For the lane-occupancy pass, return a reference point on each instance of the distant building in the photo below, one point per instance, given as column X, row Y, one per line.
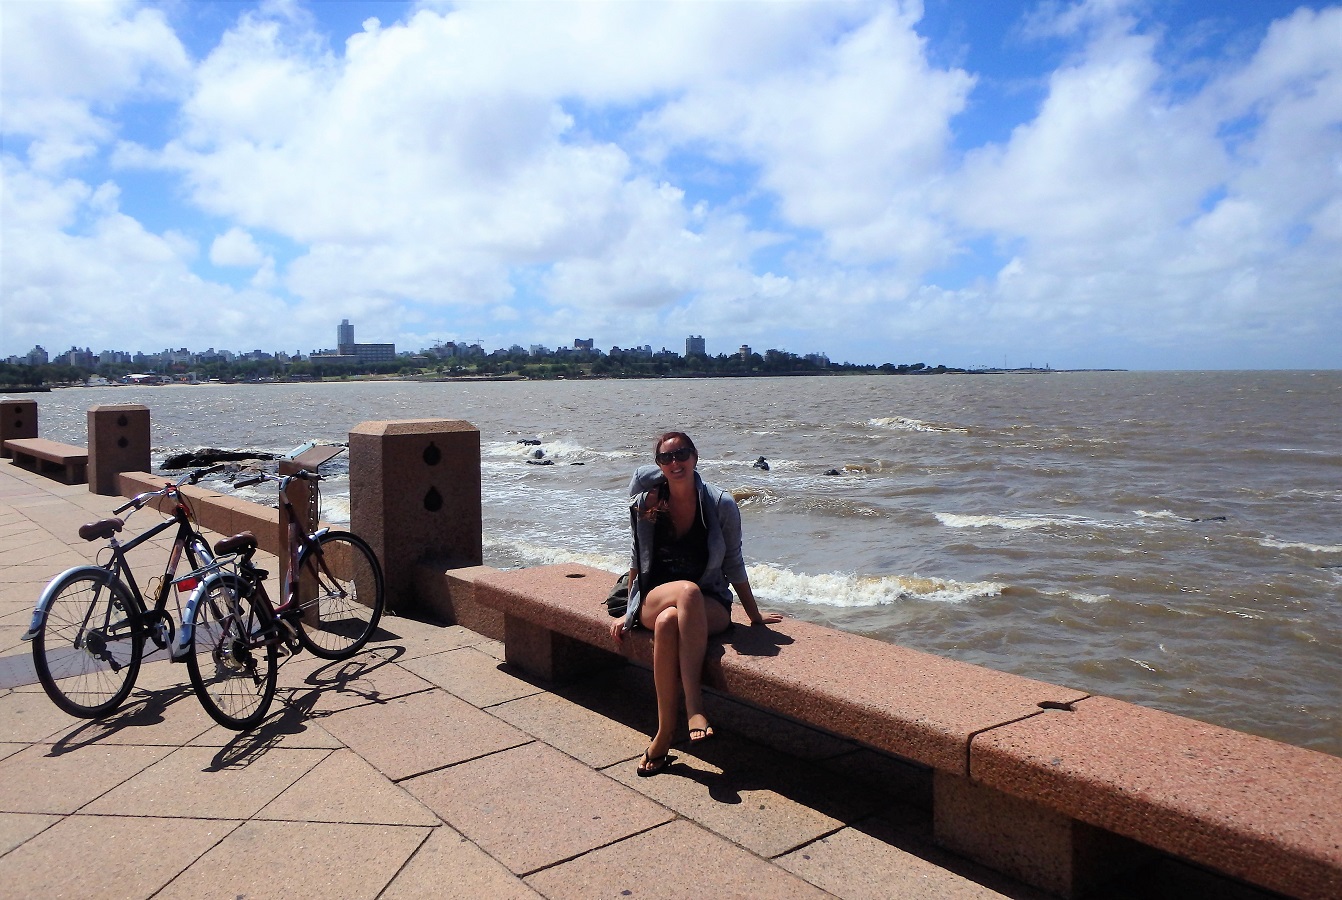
column 37, row 356
column 349, row 353
column 694, row 346
column 582, row 344
column 744, row 352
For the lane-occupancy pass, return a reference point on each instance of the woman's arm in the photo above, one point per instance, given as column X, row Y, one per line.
column 752, row 609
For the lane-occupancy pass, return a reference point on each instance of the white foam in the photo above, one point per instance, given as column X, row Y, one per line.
column 1273, row 544
column 1022, row 523
column 903, row 423
column 1159, row 514
column 770, row 582
column 537, row 555
column 777, row 584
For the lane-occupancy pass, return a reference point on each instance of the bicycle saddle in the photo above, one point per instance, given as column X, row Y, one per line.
column 103, row 528
column 238, row 542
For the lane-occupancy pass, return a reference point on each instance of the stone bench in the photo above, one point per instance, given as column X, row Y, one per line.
column 1051, row 785
column 64, row 462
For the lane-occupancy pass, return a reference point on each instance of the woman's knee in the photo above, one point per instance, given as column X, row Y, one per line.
column 667, row 621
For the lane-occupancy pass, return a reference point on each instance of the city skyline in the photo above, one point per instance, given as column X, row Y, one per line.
column 346, row 346
column 1101, row 183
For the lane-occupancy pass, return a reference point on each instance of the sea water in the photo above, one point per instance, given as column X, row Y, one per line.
column 1172, row 539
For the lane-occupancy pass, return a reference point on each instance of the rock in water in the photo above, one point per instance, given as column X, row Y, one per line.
column 208, row 456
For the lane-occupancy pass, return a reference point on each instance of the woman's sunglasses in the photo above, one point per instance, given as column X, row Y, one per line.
column 665, row 459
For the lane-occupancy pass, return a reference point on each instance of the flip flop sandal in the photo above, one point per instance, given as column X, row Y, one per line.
column 653, row 765
column 699, row 735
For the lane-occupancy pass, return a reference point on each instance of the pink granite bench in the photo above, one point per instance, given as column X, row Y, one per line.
column 1095, row 779
column 63, row 462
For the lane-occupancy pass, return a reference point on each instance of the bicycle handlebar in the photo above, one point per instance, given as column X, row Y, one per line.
column 259, row 477
column 192, row 477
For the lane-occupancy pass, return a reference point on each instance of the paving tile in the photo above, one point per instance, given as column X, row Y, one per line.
column 492, row 647
column 472, row 675
column 624, row 694
column 15, row 828
column 876, row 861
column 449, row 867
column 8, row 750
column 32, row 780
column 311, row 860
column 100, row 856
column 415, row 734
column 399, row 638
column 675, row 861
column 327, row 685
column 533, row 806
column 16, row 665
column 580, row 732
column 766, row 802
column 192, row 782
column 288, row 727
column 344, row 788
column 169, row 716
column 773, row 731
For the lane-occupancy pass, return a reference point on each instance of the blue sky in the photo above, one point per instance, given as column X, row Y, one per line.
column 1101, row 183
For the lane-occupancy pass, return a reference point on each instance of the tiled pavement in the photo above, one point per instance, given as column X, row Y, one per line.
column 424, row 767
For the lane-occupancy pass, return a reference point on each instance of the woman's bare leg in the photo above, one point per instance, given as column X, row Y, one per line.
column 681, row 622
column 666, row 679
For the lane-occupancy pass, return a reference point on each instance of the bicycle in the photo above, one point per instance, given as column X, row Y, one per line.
column 232, row 635
column 89, row 626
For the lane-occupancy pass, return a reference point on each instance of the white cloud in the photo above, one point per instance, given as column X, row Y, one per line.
column 107, row 52
column 236, row 247
column 627, row 171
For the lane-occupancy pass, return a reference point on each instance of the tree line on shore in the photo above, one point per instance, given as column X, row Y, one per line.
column 516, row 365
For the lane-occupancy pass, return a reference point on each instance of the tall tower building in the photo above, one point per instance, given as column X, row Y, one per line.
column 694, row 344
column 345, row 337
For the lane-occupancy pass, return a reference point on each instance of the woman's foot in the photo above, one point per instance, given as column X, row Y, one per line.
column 700, row 732
column 651, row 765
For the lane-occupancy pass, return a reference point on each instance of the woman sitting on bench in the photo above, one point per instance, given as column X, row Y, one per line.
column 687, row 549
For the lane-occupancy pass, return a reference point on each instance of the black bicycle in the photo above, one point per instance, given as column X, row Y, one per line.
column 90, row 624
column 333, row 599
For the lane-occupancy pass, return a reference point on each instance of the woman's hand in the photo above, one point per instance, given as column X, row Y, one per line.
column 617, row 631
column 767, row 619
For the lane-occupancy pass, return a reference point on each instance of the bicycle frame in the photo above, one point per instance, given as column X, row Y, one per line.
column 249, row 576
column 157, row 623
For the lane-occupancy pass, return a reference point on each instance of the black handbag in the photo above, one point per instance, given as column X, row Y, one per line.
column 617, row 601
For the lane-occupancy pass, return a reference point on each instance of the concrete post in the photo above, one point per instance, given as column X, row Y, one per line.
column 118, row 442
column 18, row 419
column 415, row 497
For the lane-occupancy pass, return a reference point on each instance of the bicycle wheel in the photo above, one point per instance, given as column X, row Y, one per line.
column 341, row 590
column 87, row 651
column 232, row 670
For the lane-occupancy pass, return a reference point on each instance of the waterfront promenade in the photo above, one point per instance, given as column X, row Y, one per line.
column 426, row 767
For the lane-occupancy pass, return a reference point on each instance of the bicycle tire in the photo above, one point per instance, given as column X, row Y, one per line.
column 88, row 649
column 341, row 583
column 233, row 677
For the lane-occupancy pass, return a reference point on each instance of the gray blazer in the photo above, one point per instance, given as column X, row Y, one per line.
column 722, row 519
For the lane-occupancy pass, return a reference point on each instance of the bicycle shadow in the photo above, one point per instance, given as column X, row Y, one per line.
column 299, row 707
column 145, row 708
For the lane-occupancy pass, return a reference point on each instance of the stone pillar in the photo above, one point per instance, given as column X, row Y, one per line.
column 118, row 442
column 415, row 497
column 18, row 419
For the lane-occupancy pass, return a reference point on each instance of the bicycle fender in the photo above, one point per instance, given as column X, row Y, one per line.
column 49, row 594
column 187, row 629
